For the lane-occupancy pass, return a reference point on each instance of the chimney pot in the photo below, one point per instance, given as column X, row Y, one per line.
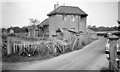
column 56, row 6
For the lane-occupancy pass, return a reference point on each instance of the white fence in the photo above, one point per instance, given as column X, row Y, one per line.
column 18, row 46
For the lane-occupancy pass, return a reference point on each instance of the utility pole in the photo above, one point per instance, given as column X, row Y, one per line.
column 118, row 25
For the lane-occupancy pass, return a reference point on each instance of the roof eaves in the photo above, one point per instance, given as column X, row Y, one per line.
column 68, row 14
column 43, row 22
column 56, row 11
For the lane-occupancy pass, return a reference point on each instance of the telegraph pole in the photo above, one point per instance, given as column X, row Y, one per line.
column 118, row 25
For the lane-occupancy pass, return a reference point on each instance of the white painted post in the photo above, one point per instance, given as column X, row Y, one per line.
column 117, row 46
column 13, row 47
column 17, row 47
column 55, row 49
column 24, row 45
column 74, row 44
column 8, row 47
column 20, row 47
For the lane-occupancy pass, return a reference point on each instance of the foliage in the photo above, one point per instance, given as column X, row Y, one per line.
column 24, row 29
column 102, row 28
column 16, row 29
column 34, row 21
column 3, row 29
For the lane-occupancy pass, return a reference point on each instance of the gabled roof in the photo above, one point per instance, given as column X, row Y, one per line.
column 45, row 22
column 67, row 10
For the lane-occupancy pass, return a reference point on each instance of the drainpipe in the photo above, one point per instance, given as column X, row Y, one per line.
column 78, row 23
column 78, row 28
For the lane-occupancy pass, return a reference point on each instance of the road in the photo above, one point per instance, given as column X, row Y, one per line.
column 91, row 57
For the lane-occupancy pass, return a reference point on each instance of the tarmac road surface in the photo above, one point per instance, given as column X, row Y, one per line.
column 91, row 57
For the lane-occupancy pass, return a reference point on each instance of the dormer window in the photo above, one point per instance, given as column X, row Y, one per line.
column 73, row 17
column 64, row 17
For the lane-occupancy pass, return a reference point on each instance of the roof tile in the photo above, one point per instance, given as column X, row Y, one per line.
column 67, row 10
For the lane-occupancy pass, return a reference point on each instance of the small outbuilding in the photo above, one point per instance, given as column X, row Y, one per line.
column 11, row 31
column 33, row 31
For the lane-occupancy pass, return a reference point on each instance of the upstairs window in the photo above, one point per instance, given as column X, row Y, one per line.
column 64, row 17
column 73, row 28
column 73, row 17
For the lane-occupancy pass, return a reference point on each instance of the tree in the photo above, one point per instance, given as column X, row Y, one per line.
column 94, row 26
column 89, row 26
column 16, row 29
column 24, row 29
column 34, row 21
column 3, row 29
column 102, row 28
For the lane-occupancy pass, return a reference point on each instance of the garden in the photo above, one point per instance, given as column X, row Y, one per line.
column 36, row 49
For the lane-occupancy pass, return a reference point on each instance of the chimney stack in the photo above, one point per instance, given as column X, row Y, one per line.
column 56, row 5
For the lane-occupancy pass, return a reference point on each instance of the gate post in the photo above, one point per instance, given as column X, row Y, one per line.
column 8, row 46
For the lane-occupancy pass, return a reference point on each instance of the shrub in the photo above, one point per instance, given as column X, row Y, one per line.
column 83, row 43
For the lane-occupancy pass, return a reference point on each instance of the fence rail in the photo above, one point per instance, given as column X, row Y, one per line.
column 18, row 47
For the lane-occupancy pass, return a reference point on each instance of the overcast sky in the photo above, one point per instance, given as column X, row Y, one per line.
column 18, row 12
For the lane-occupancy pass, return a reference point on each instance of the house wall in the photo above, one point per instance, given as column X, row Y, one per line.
column 57, row 21
column 84, row 37
column 44, row 32
column 82, row 24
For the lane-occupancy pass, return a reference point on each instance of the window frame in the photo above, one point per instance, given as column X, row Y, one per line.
column 73, row 17
column 64, row 17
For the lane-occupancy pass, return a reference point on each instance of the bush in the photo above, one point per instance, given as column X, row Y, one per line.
column 83, row 43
